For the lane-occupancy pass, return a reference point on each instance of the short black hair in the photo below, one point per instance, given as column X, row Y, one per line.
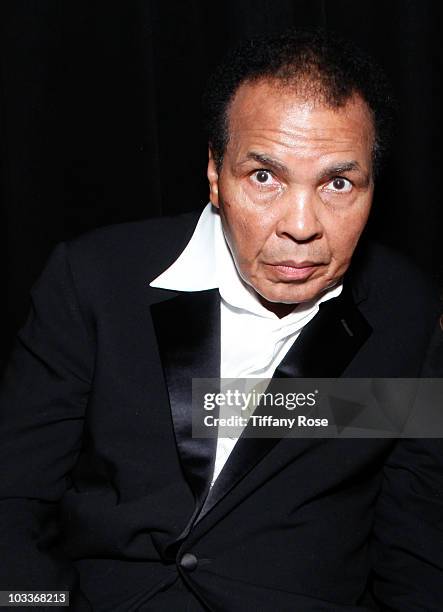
column 327, row 68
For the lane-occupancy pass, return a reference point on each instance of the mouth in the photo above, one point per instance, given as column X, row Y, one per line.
column 292, row 270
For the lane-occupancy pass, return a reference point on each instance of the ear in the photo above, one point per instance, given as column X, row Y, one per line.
column 213, row 179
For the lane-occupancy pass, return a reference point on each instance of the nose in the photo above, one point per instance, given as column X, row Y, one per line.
column 299, row 220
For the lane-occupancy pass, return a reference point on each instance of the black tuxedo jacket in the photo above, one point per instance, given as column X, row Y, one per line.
column 102, row 485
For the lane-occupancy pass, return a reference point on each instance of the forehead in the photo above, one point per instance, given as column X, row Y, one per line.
column 271, row 115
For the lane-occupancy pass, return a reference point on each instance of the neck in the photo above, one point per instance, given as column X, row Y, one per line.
column 279, row 309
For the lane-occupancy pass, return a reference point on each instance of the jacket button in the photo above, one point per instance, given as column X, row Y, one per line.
column 189, row 562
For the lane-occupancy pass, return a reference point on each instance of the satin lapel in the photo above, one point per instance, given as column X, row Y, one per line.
column 324, row 348
column 188, row 335
column 327, row 345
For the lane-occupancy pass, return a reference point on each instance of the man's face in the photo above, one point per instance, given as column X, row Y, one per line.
column 294, row 190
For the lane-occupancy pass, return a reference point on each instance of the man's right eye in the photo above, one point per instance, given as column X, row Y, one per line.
column 262, row 177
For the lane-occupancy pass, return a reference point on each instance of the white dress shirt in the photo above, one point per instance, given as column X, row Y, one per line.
column 253, row 339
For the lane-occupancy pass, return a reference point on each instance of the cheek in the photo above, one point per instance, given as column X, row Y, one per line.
column 246, row 236
column 344, row 234
column 246, row 227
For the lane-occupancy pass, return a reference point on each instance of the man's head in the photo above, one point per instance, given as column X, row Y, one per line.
column 296, row 125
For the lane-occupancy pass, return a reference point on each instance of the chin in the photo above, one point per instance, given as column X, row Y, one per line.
column 295, row 295
column 285, row 298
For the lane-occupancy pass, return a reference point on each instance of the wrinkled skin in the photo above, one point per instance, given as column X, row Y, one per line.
column 294, row 190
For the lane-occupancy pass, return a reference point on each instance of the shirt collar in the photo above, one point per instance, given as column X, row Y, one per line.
column 195, row 268
column 207, row 263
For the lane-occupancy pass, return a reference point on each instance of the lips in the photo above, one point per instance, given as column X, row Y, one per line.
column 293, row 264
column 295, row 270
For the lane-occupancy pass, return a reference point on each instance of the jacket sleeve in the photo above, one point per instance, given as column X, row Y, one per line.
column 43, row 396
column 408, row 529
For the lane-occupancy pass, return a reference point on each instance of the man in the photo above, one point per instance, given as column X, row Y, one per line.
column 106, row 492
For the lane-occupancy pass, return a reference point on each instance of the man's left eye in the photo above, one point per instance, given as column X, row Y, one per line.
column 339, row 185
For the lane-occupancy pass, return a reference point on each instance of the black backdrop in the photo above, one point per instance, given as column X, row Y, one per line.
column 100, row 104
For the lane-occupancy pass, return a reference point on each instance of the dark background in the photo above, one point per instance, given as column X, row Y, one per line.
column 100, row 117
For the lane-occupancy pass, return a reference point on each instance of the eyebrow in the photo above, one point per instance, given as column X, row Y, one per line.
column 341, row 168
column 265, row 161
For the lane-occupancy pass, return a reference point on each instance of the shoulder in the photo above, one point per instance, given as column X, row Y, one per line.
column 149, row 246
column 393, row 289
column 112, row 265
column 159, row 237
column 383, row 273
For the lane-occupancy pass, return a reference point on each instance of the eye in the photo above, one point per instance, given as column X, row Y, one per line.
column 262, row 177
column 339, row 185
